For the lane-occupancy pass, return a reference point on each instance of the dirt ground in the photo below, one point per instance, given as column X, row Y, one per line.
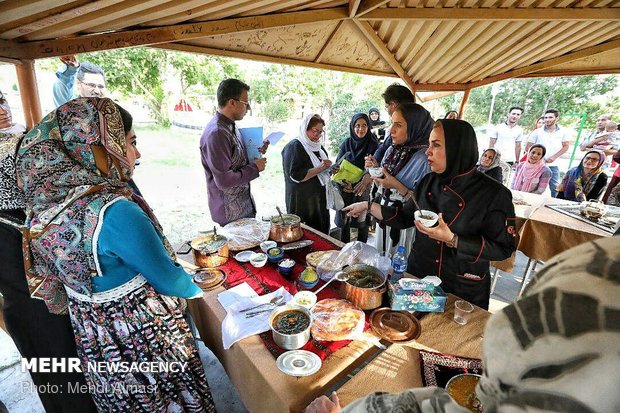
column 171, row 178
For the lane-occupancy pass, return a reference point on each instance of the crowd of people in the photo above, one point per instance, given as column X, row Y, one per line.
column 118, row 294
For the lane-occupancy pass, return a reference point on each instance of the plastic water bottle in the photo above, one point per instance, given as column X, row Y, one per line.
column 399, row 263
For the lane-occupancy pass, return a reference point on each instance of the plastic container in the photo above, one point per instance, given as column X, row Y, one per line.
column 399, row 263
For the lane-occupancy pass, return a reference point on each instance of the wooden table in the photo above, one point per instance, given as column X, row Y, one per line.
column 544, row 232
column 252, row 368
column 399, row 367
column 263, row 388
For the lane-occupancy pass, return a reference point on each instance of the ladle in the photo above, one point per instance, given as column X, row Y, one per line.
column 340, row 276
column 281, row 217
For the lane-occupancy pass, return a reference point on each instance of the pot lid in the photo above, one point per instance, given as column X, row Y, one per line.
column 298, row 363
column 209, row 244
column 395, row 326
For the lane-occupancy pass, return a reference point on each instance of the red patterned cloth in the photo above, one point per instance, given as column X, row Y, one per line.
column 267, row 279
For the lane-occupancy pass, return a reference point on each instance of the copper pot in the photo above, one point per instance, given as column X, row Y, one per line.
column 364, row 298
column 210, row 250
column 287, row 231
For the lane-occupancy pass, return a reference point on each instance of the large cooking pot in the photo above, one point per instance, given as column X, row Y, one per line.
column 366, row 298
column 295, row 339
column 210, row 250
column 286, row 228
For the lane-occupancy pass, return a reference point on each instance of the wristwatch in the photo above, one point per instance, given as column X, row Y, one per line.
column 453, row 243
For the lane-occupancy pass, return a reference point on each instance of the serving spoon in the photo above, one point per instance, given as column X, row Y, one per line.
column 275, row 301
column 340, row 276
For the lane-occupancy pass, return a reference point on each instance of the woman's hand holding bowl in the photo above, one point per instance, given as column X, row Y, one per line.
column 388, row 181
column 441, row 232
column 356, row 209
column 370, row 162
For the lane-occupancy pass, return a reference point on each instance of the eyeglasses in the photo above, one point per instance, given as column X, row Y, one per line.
column 247, row 104
column 317, row 131
column 360, row 127
column 93, row 85
column 591, row 159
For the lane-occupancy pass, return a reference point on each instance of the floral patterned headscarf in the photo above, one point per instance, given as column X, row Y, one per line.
column 71, row 166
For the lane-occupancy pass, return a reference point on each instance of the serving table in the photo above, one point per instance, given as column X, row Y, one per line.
column 264, row 388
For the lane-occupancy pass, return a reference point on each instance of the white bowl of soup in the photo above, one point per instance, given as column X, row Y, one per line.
column 426, row 218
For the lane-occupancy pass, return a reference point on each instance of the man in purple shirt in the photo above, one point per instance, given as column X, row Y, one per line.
column 224, row 157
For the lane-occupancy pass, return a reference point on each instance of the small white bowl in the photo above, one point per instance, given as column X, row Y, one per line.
column 305, row 299
column 259, row 260
column 376, row 171
column 430, row 218
column 267, row 245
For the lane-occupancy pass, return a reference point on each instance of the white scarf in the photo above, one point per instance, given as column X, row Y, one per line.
column 311, row 147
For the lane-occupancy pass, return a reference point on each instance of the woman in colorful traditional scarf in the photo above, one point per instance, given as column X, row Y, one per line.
column 36, row 332
column 404, row 165
column 489, row 164
column 360, row 143
column 476, row 217
column 307, row 171
column 97, row 251
column 533, row 175
column 586, row 181
column 541, row 353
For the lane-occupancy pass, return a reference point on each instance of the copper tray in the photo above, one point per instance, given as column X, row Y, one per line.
column 395, row 326
column 209, row 278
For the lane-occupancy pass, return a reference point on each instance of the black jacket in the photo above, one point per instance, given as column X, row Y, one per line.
column 476, row 208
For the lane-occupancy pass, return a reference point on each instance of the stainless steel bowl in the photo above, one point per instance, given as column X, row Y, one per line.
column 290, row 341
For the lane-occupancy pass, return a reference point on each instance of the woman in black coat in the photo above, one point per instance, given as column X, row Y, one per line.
column 476, row 216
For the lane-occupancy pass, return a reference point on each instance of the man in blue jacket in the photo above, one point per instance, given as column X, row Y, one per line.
column 90, row 81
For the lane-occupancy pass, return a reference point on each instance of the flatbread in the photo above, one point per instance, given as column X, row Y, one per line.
column 335, row 320
column 314, row 258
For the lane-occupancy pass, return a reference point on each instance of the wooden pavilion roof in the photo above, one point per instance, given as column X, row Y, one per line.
column 433, row 45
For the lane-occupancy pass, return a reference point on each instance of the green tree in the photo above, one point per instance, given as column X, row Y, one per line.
column 570, row 95
column 143, row 72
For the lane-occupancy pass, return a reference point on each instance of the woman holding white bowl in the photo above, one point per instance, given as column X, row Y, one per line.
column 476, row 216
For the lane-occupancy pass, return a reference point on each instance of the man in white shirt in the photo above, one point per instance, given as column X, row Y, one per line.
column 555, row 139
column 506, row 136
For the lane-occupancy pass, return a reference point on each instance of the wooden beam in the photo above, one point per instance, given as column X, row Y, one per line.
column 504, row 14
column 10, row 49
column 611, row 45
column 370, row 5
column 27, row 79
column 434, row 96
column 145, row 37
column 319, row 55
column 374, row 39
column 353, row 6
column 577, row 72
column 17, row 26
column 270, row 59
column 463, row 103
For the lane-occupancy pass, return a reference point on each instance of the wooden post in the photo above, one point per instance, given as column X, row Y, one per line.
column 463, row 102
column 27, row 79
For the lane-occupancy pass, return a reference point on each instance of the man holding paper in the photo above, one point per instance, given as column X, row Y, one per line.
column 224, row 158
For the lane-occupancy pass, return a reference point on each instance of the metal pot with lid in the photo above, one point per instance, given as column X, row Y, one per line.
column 285, row 227
column 210, row 250
column 364, row 287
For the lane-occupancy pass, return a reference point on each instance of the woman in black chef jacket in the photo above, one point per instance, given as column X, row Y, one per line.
column 476, row 216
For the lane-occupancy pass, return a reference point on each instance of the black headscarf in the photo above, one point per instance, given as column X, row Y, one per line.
column 378, row 122
column 419, row 127
column 461, row 148
column 358, row 148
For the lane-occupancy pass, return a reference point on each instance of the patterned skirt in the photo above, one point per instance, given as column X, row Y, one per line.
column 139, row 327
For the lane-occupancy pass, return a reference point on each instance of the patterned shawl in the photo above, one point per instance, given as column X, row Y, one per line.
column 494, row 164
column 10, row 195
column 72, row 166
column 578, row 183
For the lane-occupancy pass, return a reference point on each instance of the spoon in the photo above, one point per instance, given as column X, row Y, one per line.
column 274, row 301
column 280, row 212
column 340, row 276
